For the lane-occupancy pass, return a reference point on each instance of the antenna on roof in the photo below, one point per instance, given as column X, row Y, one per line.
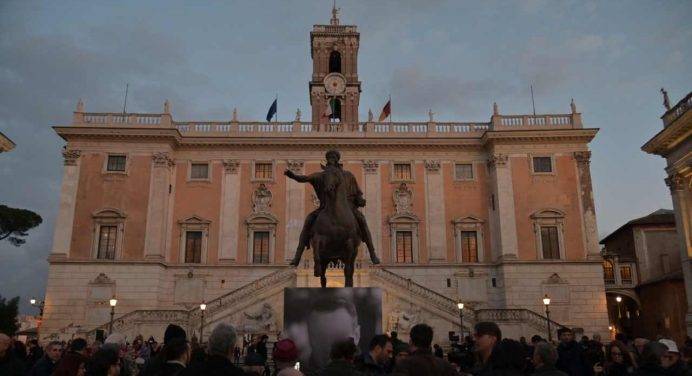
column 127, row 86
column 532, row 102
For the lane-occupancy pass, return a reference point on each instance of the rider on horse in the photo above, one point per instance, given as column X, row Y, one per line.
column 355, row 198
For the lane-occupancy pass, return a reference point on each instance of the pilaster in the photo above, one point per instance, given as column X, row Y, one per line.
column 435, row 212
column 505, row 232
column 680, row 185
column 158, row 207
column 583, row 159
column 228, row 221
column 62, row 236
column 373, row 206
column 295, row 209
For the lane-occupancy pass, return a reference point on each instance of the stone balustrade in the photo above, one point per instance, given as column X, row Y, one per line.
column 677, row 111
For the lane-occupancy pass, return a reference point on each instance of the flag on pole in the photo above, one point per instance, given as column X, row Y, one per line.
column 272, row 110
column 328, row 111
column 386, row 111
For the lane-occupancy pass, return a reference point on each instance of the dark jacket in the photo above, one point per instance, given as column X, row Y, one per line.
column 216, row 365
column 339, row 367
column 44, row 367
column 570, row 359
column 423, row 363
column 11, row 366
column 617, row 369
column 368, row 366
column 171, row 369
column 679, row 369
column 548, row 371
column 650, row 370
column 69, row 364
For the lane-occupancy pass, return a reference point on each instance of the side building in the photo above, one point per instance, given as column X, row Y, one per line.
column 165, row 214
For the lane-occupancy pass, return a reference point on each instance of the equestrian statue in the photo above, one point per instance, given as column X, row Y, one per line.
column 336, row 228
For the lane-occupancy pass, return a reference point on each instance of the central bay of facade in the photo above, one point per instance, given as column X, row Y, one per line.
column 165, row 214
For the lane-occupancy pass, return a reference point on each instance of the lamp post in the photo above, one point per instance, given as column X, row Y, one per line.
column 34, row 302
column 460, row 305
column 202, row 308
column 113, row 302
column 618, row 299
column 546, row 303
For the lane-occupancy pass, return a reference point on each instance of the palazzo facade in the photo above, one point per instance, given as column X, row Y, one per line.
column 164, row 214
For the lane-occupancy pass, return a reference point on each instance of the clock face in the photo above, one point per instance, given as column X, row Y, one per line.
column 334, row 84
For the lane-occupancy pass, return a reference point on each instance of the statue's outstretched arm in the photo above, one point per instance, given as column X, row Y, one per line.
column 298, row 178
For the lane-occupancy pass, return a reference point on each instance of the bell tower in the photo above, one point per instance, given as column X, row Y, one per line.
column 334, row 87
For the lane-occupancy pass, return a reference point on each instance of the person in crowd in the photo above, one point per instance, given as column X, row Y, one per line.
column 19, row 349
column 35, row 353
column 638, row 348
column 687, row 355
column 487, row 335
column 374, row 362
column 437, row 351
column 570, row 354
column 650, row 361
column 421, row 361
column 156, row 361
column 285, row 355
column 73, row 359
column 341, row 357
column 619, row 361
column 10, row 365
column 254, row 364
column 46, row 365
column 544, row 360
column 220, row 349
column 401, row 352
column 672, row 361
column 395, row 339
column 262, row 346
column 105, row 362
column 118, row 342
column 176, row 357
column 236, row 355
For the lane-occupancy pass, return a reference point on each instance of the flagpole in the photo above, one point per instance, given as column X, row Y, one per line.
column 390, row 109
column 276, row 114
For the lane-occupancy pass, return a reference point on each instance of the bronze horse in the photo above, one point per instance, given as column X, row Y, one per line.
column 335, row 234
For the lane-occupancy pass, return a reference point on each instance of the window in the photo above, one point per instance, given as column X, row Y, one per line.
column 199, row 171
column 335, row 62
column 469, row 246
column 116, row 163
column 463, row 171
column 402, row 171
column 608, row 272
column 626, row 275
column 260, row 247
column 404, row 247
column 336, row 109
column 542, row 164
column 550, row 242
column 107, row 241
column 263, row 171
column 193, row 246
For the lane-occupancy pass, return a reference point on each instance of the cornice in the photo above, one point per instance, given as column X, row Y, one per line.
column 668, row 138
column 539, row 136
column 118, row 133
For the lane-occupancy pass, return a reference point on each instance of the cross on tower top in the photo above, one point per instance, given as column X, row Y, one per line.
column 335, row 14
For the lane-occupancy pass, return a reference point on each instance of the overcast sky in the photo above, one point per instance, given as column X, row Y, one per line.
column 455, row 57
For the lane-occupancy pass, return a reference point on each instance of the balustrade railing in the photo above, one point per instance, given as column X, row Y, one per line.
column 535, row 120
column 677, row 111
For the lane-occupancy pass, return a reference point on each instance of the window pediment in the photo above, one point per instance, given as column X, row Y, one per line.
column 548, row 214
column 261, row 218
column 467, row 220
column 107, row 213
column 194, row 220
column 404, row 218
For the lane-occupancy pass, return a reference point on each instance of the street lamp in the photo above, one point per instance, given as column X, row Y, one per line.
column 113, row 302
column 618, row 299
column 202, row 308
column 38, row 304
column 460, row 305
column 546, row 303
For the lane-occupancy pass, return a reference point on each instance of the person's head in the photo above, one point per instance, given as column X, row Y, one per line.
column 333, row 157
column 343, row 350
column 584, row 339
column 639, row 344
column 421, row 336
column 285, row 353
column 172, row 331
column 78, row 345
column 544, row 354
column 381, row 348
column 596, row 337
column 536, row 339
column 401, row 352
column 565, row 334
column 5, row 342
column 333, row 318
column 394, row 335
column 118, row 341
column 617, row 353
column 652, row 353
column 106, row 361
column 177, row 349
column 522, row 340
column 222, row 340
column 487, row 334
column 672, row 355
column 54, row 350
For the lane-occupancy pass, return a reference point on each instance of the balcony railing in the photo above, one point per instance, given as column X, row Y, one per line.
column 677, row 111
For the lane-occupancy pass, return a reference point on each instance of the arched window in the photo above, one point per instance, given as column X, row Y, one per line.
column 336, row 109
column 335, row 62
column 108, row 233
column 608, row 272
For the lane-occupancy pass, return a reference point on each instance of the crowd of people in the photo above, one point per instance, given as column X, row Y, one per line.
column 483, row 354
